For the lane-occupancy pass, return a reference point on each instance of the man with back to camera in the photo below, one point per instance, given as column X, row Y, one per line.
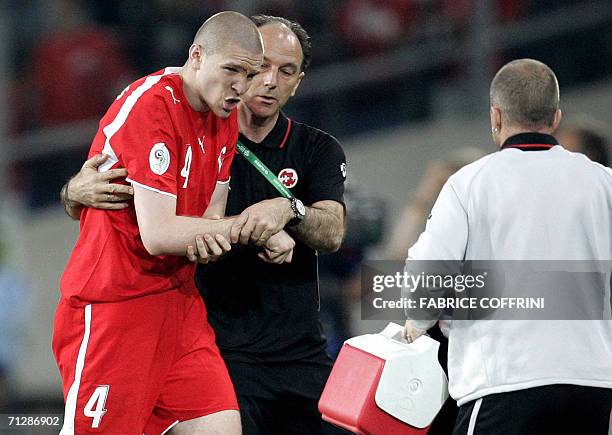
column 131, row 339
column 527, row 201
column 266, row 317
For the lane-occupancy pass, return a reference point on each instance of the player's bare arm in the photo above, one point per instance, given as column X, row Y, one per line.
column 209, row 247
column 164, row 233
column 91, row 188
column 218, row 201
column 322, row 227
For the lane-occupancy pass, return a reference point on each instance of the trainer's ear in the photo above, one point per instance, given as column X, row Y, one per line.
column 496, row 118
column 297, row 84
column 557, row 119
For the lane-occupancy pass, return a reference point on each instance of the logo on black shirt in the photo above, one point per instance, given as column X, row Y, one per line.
column 289, row 177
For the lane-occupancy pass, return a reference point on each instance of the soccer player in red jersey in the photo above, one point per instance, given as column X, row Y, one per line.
column 131, row 339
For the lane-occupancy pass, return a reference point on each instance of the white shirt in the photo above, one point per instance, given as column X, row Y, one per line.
column 524, row 205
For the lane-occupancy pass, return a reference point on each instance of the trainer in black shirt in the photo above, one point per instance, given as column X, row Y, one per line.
column 266, row 316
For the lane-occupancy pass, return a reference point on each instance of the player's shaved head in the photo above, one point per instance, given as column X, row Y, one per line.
column 228, row 29
column 527, row 92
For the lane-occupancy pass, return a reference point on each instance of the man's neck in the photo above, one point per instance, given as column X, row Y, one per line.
column 253, row 127
column 513, row 131
column 188, row 77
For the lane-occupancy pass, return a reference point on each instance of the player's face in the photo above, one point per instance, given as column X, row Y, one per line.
column 225, row 76
column 280, row 73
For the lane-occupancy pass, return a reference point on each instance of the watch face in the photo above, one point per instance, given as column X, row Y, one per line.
column 299, row 205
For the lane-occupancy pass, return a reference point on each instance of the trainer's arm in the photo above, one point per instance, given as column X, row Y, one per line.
column 91, row 188
column 441, row 247
column 323, row 226
column 164, row 233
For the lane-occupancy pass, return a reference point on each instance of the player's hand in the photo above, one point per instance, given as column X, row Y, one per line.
column 260, row 221
column 209, row 248
column 278, row 249
column 94, row 189
column 411, row 332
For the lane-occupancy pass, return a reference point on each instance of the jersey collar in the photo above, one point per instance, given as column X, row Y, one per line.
column 278, row 136
column 530, row 142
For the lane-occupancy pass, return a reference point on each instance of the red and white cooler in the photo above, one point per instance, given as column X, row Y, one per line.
column 382, row 385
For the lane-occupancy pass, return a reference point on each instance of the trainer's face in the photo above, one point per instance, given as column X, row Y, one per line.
column 223, row 77
column 280, row 73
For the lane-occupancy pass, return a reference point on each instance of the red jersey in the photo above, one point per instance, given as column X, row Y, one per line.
column 166, row 146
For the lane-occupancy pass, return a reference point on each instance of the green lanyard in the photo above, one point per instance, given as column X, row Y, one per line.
column 263, row 170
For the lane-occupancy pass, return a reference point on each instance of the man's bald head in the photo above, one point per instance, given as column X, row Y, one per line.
column 527, row 93
column 228, row 29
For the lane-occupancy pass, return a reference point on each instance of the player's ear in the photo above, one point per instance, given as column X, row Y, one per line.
column 195, row 55
column 297, row 84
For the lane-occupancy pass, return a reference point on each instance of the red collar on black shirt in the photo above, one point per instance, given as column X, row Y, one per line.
column 278, row 136
column 530, row 142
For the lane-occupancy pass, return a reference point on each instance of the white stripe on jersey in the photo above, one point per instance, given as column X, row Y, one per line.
column 144, row 186
column 128, row 104
column 72, row 396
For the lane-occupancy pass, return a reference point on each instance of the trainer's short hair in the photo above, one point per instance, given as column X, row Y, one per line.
column 527, row 92
column 302, row 36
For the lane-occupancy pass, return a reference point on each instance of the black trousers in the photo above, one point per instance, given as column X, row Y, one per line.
column 288, row 416
column 551, row 409
column 281, row 398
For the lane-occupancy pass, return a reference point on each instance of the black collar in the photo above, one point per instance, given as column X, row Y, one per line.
column 277, row 138
column 530, row 142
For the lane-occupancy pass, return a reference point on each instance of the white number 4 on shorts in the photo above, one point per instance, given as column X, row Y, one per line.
column 95, row 406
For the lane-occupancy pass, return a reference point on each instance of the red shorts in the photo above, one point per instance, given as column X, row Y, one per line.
column 140, row 365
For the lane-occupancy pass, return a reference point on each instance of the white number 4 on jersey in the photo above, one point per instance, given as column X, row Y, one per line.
column 95, row 406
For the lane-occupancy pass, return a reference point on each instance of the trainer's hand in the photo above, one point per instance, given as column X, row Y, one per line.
column 94, row 189
column 260, row 221
column 411, row 332
column 209, row 248
column 278, row 249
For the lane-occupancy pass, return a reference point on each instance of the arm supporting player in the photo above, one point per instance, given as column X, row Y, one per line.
column 322, row 227
column 164, row 233
column 91, row 188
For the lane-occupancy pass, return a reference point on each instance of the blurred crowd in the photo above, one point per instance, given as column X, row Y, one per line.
column 69, row 58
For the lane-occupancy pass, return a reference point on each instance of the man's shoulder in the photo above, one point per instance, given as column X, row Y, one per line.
column 313, row 134
column 156, row 89
column 468, row 172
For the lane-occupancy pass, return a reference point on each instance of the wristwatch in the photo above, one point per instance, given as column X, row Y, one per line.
column 299, row 211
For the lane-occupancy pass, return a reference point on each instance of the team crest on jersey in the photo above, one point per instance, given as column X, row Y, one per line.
column 288, row 177
column 159, row 158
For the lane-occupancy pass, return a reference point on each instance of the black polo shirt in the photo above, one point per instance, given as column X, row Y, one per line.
column 265, row 312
